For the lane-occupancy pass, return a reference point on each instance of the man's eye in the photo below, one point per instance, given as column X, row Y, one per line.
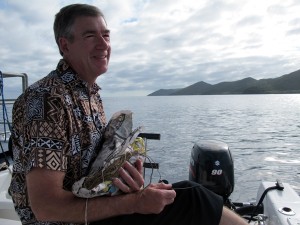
column 89, row 35
column 106, row 37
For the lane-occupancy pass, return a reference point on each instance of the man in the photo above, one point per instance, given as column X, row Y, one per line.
column 58, row 126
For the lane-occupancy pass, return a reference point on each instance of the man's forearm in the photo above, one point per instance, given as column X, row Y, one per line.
column 50, row 202
column 106, row 207
column 73, row 209
column 231, row 218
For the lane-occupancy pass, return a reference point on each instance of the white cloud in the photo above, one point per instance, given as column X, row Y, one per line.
column 167, row 44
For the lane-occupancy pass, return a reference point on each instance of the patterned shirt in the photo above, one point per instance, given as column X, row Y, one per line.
column 58, row 124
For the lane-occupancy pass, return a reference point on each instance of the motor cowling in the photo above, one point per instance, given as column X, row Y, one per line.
column 211, row 165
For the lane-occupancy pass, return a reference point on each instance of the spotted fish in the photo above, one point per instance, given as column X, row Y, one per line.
column 121, row 144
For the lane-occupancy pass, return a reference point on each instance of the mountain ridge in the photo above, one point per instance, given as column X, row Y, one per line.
column 285, row 84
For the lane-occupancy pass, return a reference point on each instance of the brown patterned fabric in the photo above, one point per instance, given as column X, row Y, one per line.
column 58, row 124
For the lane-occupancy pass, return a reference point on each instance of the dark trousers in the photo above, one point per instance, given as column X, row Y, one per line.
column 193, row 205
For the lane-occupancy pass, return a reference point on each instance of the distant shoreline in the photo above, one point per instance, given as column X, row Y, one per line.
column 285, row 84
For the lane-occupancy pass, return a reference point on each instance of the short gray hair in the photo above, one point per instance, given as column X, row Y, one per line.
column 65, row 18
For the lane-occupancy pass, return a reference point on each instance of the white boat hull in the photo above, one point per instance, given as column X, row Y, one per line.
column 281, row 207
column 8, row 216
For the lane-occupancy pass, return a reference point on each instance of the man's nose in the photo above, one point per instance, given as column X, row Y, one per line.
column 102, row 43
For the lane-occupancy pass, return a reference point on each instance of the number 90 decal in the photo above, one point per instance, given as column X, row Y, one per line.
column 216, row 172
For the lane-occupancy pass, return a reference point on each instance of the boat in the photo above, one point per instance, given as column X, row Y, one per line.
column 211, row 165
column 8, row 216
column 277, row 203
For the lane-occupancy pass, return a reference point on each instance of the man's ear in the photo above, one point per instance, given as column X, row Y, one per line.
column 63, row 45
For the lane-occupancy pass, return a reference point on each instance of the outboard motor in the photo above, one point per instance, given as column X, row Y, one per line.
column 212, row 166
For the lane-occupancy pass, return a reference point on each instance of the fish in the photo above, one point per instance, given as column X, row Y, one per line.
column 121, row 144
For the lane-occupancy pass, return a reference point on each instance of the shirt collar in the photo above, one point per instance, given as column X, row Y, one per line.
column 70, row 77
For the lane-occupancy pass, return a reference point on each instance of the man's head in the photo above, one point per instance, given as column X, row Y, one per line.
column 83, row 39
column 65, row 19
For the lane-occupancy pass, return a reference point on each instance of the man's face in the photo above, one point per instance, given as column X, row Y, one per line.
column 89, row 52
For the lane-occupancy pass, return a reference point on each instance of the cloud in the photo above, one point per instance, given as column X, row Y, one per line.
column 163, row 45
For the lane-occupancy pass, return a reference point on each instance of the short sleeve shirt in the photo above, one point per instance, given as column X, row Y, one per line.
column 58, row 124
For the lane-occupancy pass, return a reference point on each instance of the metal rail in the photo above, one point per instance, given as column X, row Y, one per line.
column 4, row 122
column 22, row 75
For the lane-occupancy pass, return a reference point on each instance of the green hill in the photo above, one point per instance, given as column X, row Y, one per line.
column 289, row 83
column 163, row 92
column 195, row 89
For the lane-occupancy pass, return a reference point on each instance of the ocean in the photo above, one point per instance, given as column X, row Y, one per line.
column 262, row 132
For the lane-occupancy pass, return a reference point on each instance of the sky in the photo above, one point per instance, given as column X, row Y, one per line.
column 162, row 44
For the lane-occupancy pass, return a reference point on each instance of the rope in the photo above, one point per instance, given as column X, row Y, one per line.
column 86, row 212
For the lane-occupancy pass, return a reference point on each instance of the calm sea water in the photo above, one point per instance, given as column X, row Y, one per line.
column 262, row 132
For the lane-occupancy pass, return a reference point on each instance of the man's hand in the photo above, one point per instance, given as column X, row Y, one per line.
column 131, row 177
column 154, row 198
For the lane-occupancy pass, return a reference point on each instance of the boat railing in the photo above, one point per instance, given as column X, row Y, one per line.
column 24, row 78
column 22, row 75
column 6, row 105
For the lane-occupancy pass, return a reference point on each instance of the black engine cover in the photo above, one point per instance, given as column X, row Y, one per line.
column 211, row 165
